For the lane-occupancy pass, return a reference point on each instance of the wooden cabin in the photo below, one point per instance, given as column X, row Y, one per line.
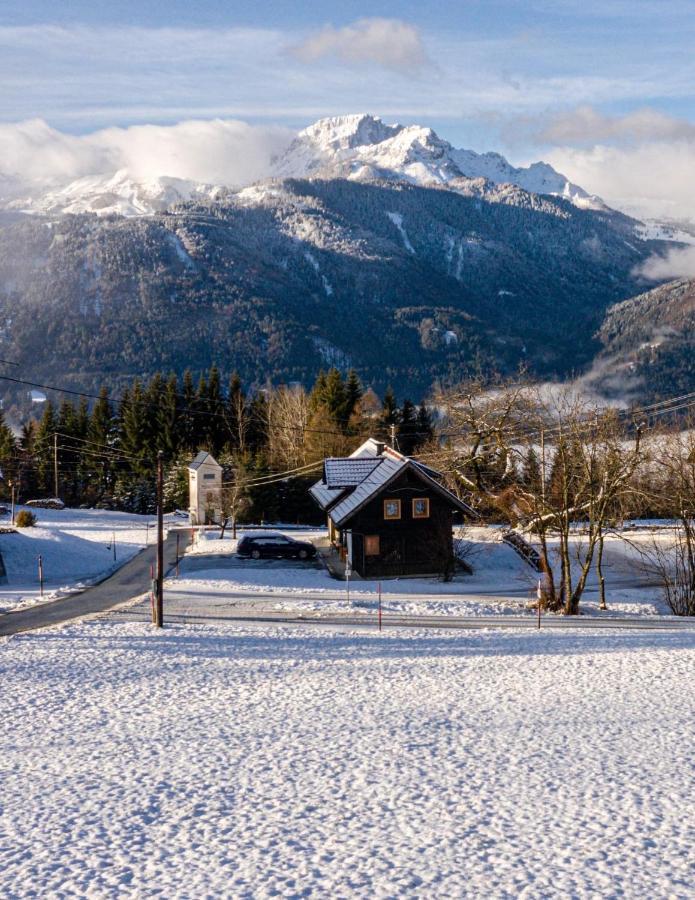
column 389, row 514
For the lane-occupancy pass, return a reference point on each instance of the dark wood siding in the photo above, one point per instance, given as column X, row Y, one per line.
column 408, row 546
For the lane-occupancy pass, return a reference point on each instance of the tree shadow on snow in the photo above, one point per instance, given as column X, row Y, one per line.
column 196, row 642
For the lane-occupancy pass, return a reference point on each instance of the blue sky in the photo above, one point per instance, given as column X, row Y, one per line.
column 528, row 77
column 82, row 65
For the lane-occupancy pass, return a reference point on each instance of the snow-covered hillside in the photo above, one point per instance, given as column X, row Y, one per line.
column 364, row 147
column 360, row 147
column 120, row 194
column 76, row 546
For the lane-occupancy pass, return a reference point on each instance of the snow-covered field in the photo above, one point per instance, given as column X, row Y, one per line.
column 77, row 549
column 224, row 762
column 501, row 584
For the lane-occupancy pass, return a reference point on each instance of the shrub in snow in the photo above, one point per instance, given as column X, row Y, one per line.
column 25, row 519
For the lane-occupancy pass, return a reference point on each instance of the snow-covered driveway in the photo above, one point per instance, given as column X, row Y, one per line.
column 223, row 762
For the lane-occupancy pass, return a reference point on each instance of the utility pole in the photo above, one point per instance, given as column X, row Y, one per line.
column 12, row 488
column 159, row 606
column 393, row 436
column 55, row 465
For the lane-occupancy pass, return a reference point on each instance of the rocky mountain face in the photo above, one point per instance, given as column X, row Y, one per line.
column 407, row 283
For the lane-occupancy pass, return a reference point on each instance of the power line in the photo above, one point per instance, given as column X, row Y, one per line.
column 280, row 476
column 104, row 456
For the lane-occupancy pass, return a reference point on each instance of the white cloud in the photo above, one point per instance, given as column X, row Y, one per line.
column 678, row 263
column 219, row 151
column 586, row 125
column 388, row 42
column 653, row 179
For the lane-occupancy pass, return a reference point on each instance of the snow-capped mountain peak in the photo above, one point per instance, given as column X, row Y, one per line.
column 345, row 132
column 363, row 146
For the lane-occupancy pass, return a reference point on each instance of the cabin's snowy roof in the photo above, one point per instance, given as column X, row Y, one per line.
column 342, row 473
column 378, row 478
column 350, row 482
column 370, row 448
column 325, row 496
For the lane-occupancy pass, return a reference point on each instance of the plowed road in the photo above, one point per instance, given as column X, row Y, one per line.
column 131, row 580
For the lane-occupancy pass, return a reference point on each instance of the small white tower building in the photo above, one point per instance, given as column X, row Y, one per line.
column 204, row 490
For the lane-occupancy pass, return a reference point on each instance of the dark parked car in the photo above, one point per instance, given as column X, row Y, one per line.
column 271, row 546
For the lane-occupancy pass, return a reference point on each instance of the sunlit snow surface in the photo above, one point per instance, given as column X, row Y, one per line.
column 76, row 546
column 222, row 762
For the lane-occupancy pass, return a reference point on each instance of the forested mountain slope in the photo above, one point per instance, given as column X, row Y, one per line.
column 408, row 284
column 649, row 344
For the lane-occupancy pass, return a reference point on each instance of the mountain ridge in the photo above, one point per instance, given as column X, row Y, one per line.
column 360, row 147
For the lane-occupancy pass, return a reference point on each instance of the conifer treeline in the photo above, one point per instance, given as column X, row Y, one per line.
column 107, row 449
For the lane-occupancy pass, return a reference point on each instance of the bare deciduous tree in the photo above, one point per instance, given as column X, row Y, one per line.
column 672, row 561
column 234, row 499
column 288, row 415
column 587, row 465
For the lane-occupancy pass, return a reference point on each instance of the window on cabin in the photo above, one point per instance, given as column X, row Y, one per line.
column 209, row 476
column 421, row 508
column 392, row 509
column 371, row 545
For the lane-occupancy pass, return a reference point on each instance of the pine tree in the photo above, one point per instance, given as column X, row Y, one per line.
column 389, row 413
column 215, row 412
column 8, row 451
column 154, row 399
column 69, row 453
column 48, row 426
column 25, row 474
column 531, row 472
column 187, row 419
column 67, row 420
column 407, row 428
column 26, row 441
column 134, row 431
column 353, row 395
column 176, row 483
column 101, row 434
column 335, row 396
column 317, row 395
column 201, row 422
column 425, row 428
column 101, row 425
column 167, row 419
column 81, row 425
column 235, row 416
